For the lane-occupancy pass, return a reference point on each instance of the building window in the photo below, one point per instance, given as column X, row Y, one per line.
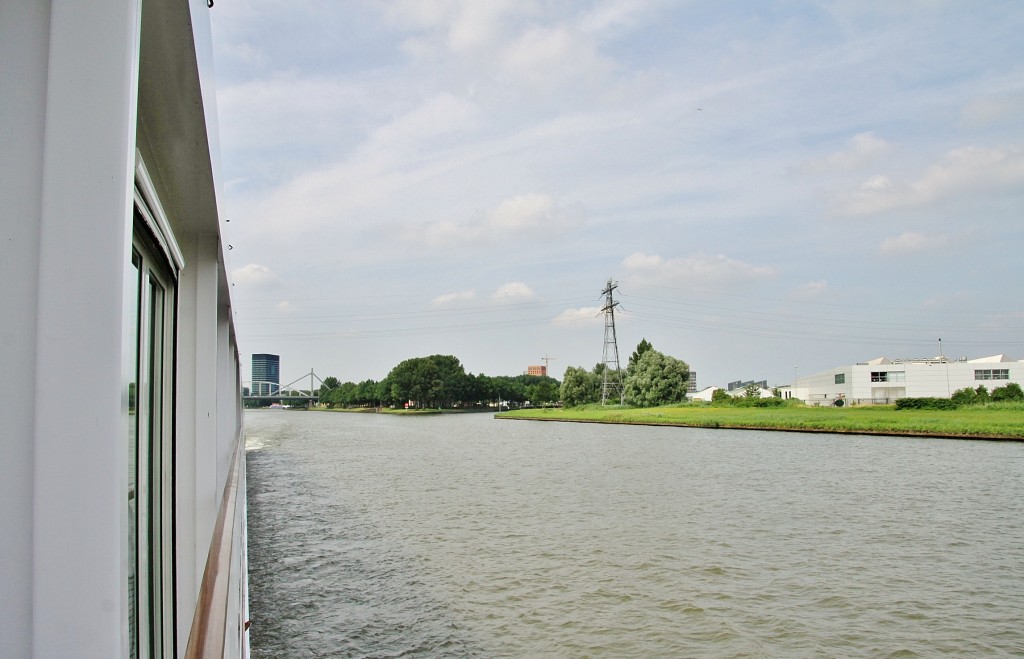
column 888, row 376
column 840, row 378
column 149, row 356
column 992, row 374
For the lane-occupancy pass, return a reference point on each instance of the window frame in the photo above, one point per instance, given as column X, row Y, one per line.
column 986, row 374
column 154, row 265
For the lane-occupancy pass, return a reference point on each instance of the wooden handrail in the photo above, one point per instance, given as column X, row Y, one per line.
column 207, row 636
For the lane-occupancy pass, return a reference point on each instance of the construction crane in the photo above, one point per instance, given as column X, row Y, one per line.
column 546, row 359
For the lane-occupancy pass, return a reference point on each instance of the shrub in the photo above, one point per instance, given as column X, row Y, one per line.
column 925, row 404
column 1011, row 391
column 965, row 396
column 720, row 397
column 758, row 402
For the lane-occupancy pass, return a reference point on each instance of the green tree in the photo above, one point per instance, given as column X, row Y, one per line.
column 543, row 392
column 479, row 388
column 382, row 392
column 434, row 381
column 656, row 379
column 641, row 348
column 580, row 386
column 752, row 391
column 330, row 382
column 982, row 396
column 347, row 393
column 365, row 394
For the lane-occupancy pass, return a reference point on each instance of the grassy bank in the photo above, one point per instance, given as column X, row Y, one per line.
column 995, row 422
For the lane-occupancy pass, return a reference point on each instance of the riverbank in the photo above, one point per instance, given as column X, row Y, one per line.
column 964, row 423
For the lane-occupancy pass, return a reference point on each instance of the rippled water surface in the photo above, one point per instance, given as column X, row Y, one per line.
column 385, row 536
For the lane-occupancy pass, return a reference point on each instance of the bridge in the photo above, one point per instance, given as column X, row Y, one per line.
column 262, row 390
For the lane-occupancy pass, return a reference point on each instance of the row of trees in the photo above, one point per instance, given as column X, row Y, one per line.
column 439, row 381
column 651, row 378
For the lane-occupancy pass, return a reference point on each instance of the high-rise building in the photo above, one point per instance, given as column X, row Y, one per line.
column 266, row 375
column 537, row 370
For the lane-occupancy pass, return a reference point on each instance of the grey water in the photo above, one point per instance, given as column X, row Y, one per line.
column 467, row 536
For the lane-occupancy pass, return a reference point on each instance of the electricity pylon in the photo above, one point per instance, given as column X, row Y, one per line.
column 611, row 381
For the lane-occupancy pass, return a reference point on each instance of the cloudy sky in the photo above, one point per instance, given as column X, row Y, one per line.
column 776, row 187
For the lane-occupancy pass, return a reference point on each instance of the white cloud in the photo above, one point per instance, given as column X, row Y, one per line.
column 244, row 52
column 582, row 315
column 958, row 301
column 910, row 242
column 550, row 57
column 523, row 212
column 862, row 149
column 698, row 270
column 477, row 24
column 254, row 274
column 611, row 15
column 1009, row 320
column 265, row 113
column 515, row 218
column 811, row 290
column 439, row 115
column 994, row 109
column 448, row 298
column 965, row 171
column 397, row 157
column 284, row 307
column 514, row 291
column 461, row 26
column 877, row 183
column 419, row 14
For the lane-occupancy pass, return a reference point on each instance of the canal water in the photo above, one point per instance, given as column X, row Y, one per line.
column 447, row 536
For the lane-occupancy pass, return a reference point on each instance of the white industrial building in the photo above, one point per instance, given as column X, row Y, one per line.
column 884, row 380
column 707, row 394
column 704, row 394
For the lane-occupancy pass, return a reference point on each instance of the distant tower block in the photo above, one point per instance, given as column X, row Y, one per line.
column 266, row 374
column 611, row 381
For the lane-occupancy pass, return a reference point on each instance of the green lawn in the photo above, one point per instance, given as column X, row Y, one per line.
column 982, row 422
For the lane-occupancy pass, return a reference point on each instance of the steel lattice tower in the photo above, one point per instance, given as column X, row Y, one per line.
column 611, row 381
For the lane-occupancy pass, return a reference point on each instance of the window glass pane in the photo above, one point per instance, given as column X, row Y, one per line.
column 131, row 375
column 157, row 487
